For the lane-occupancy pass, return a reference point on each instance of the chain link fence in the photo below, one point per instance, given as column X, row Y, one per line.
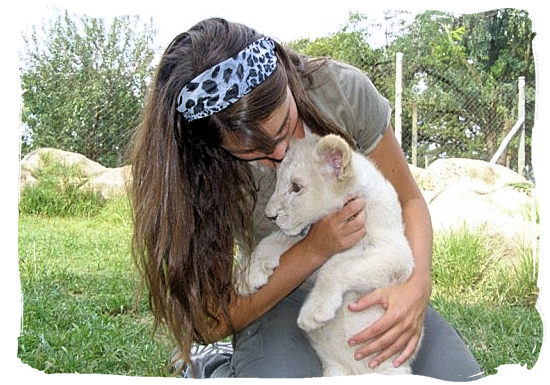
column 439, row 119
column 103, row 136
column 439, row 115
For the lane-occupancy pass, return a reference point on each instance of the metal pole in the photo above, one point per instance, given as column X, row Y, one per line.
column 520, row 123
column 521, row 116
column 414, row 144
column 398, row 94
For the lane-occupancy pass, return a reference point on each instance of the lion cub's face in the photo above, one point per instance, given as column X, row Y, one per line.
column 312, row 181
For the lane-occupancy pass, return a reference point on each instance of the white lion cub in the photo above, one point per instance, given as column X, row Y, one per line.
column 313, row 180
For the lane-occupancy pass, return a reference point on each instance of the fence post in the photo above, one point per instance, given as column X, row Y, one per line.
column 398, row 94
column 519, row 124
column 414, row 141
column 521, row 116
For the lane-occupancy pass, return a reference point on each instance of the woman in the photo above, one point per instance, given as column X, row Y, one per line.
column 221, row 111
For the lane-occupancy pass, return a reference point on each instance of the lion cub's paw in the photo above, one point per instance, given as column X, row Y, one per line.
column 313, row 317
column 243, row 288
column 257, row 275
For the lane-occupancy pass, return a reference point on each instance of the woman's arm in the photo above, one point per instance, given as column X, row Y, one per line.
column 331, row 235
column 401, row 326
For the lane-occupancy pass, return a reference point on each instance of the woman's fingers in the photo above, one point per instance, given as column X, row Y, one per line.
column 397, row 332
column 352, row 208
column 408, row 351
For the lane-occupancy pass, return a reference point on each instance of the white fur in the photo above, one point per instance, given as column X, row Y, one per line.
column 328, row 171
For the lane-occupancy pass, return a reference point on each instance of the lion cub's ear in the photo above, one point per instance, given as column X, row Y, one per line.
column 335, row 153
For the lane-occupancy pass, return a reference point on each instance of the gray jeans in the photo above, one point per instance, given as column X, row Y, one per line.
column 274, row 347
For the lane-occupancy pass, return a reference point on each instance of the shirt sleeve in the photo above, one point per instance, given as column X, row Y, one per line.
column 350, row 99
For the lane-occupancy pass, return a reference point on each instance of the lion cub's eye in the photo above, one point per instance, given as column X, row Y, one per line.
column 296, row 187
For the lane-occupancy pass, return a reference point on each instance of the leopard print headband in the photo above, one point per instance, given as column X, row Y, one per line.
column 223, row 84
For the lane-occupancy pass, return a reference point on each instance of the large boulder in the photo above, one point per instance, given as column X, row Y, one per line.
column 34, row 160
column 111, row 182
column 476, row 174
column 504, row 211
column 475, row 193
column 108, row 182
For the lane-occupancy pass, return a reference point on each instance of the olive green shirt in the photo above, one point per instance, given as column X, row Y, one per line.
column 347, row 96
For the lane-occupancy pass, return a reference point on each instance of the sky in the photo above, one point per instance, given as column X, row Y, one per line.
column 283, row 20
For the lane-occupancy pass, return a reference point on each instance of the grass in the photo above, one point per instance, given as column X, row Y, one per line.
column 80, row 313
column 488, row 296
column 496, row 334
column 58, row 192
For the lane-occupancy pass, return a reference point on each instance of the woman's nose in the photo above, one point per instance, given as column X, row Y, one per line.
column 279, row 152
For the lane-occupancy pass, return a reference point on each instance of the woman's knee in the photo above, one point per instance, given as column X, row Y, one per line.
column 274, row 347
column 443, row 354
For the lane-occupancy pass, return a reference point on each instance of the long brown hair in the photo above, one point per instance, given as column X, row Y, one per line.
column 191, row 200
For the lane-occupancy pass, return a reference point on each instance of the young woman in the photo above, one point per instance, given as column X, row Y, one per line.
column 221, row 111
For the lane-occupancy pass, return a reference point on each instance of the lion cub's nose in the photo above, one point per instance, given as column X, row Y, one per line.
column 272, row 210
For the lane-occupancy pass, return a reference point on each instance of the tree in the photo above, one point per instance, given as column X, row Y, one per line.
column 351, row 45
column 460, row 72
column 469, row 66
column 84, row 83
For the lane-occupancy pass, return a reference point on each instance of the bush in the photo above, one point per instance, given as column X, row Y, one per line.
column 518, row 283
column 59, row 192
column 461, row 260
column 478, row 267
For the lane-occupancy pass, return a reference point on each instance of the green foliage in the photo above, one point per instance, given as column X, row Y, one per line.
column 496, row 334
column 59, row 192
column 461, row 260
column 524, row 187
column 518, row 283
column 83, row 85
column 348, row 45
column 483, row 268
column 460, row 72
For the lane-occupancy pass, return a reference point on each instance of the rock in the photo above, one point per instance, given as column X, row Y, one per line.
column 504, row 211
column 417, row 172
column 33, row 161
column 111, row 182
column 107, row 181
column 474, row 174
column 477, row 194
column 26, row 178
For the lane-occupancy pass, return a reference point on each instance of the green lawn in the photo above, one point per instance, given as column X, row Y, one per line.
column 487, row 290
column 80, row 311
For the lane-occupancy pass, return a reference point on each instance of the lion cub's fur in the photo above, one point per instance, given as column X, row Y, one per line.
column 314, row 179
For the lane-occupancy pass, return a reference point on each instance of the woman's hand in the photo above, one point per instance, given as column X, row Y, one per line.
column 338, row 231
column 399, row 329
